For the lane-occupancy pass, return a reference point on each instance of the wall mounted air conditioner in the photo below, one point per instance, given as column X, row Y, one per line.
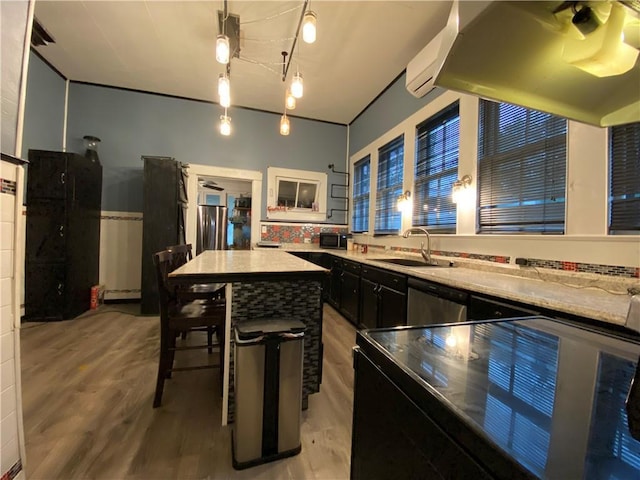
column 423, row 70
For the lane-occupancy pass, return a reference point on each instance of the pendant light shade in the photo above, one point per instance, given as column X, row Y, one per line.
column 290, row 101
column 225, row 125
column 296, row 85
column 224, row 87
column 222, row 49
column 309, row 27
column 285, row 126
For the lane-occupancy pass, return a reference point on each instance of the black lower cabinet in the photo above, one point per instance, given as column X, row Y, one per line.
column 394, row 439
column 335, row 283
column 383, row 298
column 350, row 291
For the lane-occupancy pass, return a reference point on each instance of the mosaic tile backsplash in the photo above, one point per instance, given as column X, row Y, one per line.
column 298, row 233
column 608, row 270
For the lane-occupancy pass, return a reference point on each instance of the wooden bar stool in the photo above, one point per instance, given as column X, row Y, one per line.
column 179, row 316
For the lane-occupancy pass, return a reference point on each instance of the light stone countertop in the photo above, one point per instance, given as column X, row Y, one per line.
column 588, row 302
column 229, row 265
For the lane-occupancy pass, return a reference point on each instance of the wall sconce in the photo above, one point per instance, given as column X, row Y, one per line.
column 460, row 189
column 404, row 202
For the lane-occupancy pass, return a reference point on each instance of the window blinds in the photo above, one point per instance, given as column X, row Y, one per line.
column 436, row 168
column 624, row 179
column 390, row 165
column 521, row 170
column 361, row 174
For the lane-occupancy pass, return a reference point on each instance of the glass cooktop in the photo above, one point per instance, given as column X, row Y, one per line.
column 549, row 394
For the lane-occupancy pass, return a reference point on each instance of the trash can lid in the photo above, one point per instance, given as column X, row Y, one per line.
column 268, row 326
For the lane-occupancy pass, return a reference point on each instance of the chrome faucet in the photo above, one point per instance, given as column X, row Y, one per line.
column 426, row 255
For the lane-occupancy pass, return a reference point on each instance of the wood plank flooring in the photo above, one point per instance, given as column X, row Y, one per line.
column 87, row 389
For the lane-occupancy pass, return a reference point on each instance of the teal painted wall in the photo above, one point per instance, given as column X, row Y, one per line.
column 392, row 107
column 44, row 108
column 132, row 124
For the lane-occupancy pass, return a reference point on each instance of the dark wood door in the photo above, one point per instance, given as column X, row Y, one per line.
column 393, row 307
column 368, row 304
column 350, row 296
column 47, row 175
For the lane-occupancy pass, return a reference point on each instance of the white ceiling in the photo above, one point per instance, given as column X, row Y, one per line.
column 168, row 47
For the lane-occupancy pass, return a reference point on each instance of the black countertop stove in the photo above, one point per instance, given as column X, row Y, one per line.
column 548, row 394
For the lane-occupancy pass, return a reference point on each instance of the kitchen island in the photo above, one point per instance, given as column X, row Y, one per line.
column 510, row 399
column 263, row 284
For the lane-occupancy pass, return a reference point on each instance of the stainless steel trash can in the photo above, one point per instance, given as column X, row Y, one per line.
column 268, row 360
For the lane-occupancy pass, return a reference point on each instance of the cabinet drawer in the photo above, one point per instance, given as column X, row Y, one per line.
column 389, row 279
column 352, row 267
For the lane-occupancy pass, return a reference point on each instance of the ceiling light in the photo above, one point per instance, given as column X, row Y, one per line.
column 296, row 85
column 290, row 101
column 225, row 124
column 285, row 126
column 222, row 49
column 224, row 87
column 309, row 27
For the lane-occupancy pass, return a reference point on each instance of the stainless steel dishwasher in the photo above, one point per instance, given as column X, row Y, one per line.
column 429, row 303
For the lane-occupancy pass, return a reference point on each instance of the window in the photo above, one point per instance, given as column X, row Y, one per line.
column 361, row 174
column 521, row 170
column 390, row 165
column 624, row 179
column 436, row 169
column 295, row 194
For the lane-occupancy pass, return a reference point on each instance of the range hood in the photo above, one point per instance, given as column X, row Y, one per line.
column 538, row 55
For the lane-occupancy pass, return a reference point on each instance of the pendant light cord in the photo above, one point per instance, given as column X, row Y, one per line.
column 295, row 40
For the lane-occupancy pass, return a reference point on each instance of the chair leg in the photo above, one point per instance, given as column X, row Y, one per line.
column 209, row 339
column 184, row 335
column 163, row 362
column 171, row 352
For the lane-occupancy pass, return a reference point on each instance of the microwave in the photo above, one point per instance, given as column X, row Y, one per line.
column 333, row 240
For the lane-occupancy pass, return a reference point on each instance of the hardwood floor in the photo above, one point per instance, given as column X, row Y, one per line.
column 87, row 390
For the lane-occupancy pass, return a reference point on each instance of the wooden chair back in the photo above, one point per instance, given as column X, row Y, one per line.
column 181, row 254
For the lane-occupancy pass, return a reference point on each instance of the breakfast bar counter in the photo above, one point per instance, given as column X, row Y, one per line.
column 263, row 284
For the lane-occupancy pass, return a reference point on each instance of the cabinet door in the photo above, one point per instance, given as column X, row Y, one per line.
column 350, row 296
column 335, row 289
column 368, row 304
column 47, row 175
column 46, row 231
column 393, row 438
column 45, row 293
column 393, row 307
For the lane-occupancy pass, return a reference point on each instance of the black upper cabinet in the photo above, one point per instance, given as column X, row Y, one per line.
column 64, row 192
column 163, row 222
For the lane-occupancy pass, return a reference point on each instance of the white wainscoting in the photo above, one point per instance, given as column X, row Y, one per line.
column 120, row 254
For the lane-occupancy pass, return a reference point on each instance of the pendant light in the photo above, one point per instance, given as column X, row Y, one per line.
column 224, row 90
column 296, row 85
column 225, row 124
column 309, row 27
column 290, row 101
column 222, row 49
column 285, row 126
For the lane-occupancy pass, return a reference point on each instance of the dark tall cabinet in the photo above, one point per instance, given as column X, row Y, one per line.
column 164, row 207
column 62, row 252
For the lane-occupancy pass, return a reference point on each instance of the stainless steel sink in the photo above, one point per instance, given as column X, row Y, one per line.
column 407, row 262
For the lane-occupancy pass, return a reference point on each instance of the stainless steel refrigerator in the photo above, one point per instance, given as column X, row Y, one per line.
column 212, row 228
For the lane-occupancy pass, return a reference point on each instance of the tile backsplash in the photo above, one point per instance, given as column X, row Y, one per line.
column 297, row 233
